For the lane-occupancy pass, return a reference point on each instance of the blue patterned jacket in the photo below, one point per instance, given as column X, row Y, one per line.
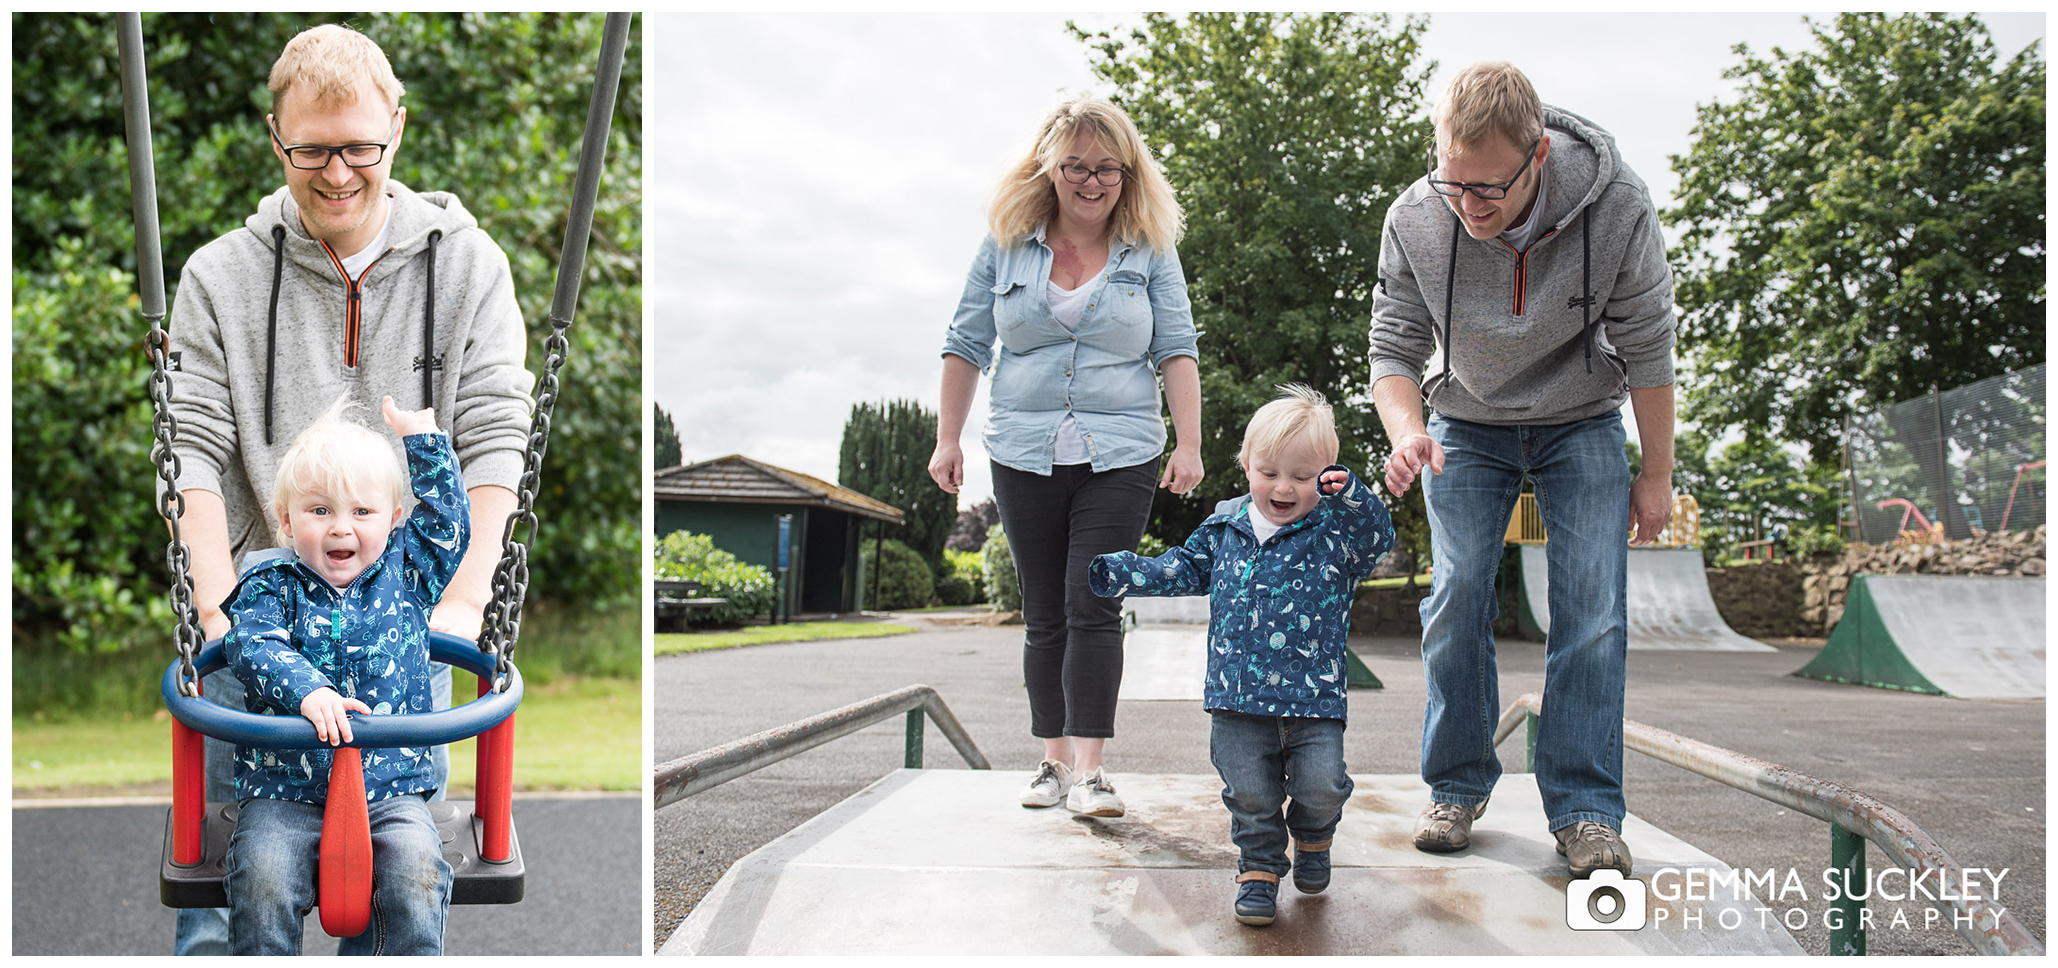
column 295, row 633
column 1279, row 612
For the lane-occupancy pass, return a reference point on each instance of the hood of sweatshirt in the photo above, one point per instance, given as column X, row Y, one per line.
column 412, row 225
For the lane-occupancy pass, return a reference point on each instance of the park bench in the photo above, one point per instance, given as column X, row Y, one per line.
column 677, row 600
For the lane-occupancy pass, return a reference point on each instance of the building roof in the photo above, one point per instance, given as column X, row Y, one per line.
column 737, row 479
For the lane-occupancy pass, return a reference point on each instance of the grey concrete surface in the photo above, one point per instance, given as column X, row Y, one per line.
column 85, row 883
column 1971, row 773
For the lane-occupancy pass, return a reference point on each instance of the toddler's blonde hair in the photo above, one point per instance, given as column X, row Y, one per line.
column 341, row 458
column 1298, row 413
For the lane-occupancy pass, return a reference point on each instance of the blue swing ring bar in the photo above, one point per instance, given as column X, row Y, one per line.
column 367, row 732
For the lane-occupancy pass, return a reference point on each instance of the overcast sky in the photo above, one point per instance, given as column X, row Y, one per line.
column 818, row 184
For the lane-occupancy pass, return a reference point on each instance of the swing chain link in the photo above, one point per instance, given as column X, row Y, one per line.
column 503, row 620
column 172, row 504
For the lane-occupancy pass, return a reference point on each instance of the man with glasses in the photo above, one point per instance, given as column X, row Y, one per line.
column 1528, row 264
column 345, row 283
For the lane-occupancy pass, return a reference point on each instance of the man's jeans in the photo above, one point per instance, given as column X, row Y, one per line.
column 205, row 931
column 272, row 873
column 1582, row 489
column 1264, row 761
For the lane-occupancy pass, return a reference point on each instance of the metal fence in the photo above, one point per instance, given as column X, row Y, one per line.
column 1951, row 465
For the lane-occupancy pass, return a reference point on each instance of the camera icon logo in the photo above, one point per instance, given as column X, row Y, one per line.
column 1606, row 901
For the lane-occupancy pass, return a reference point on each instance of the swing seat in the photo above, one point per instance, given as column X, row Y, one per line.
column 476, row 881
column 469, row 836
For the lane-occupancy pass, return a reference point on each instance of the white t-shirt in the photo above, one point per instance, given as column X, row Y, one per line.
column 1068, row 305
column 355, row 265
column 1261, row 525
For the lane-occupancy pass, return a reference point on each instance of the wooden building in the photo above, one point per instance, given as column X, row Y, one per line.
column 737, row 501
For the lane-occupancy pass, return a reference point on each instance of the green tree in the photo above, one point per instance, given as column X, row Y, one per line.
column 497, row 105
column 885, row 456
column 664, row 440
column 1287, row 137
column 1748, row 489
column 1863, row 222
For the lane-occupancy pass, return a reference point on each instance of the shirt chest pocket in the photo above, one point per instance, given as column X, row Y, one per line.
column 1126, row 298
column 1014, row 307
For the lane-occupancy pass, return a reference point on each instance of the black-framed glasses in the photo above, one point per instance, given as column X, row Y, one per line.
column 362, row 154
column 1455, row 189
column 1077, row 175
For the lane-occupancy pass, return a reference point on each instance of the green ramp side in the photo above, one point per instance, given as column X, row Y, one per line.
column 1862, row 651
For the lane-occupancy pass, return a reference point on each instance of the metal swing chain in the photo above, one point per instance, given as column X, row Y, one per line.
column 164, row 426
column 501, row 626
column 172, row 504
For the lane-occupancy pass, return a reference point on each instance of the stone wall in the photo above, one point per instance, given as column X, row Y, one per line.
column 1761, row 600
column 1389, row 611
column 1828, row 578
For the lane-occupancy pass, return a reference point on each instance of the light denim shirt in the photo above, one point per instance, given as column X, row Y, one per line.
column 1104, row 374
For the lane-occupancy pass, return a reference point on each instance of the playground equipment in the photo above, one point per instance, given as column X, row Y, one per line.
column 1669, row 605
column 1923, row 533
column 485, row 854
column 1969, row 636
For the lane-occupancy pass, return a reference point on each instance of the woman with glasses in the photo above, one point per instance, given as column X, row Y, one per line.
column 1075, row 306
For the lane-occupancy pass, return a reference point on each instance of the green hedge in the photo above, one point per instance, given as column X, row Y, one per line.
column 905, row 580
column 1002, row 588
column 496, row 107
column 685, row 556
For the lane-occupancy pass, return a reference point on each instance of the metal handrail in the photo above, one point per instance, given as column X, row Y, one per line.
column 696, row 772
column 1853, row 817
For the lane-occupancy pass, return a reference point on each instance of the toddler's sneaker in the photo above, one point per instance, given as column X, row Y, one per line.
column 1048, row 787
column 1311, row 867
column 1257, row 897
column 1093, row 796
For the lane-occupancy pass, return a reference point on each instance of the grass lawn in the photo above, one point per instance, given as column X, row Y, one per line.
column 763, row 634
column 573, row 734
column 1421, row 579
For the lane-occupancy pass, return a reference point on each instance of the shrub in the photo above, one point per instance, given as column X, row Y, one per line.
column 1821, row 539
column 685, row 556
column 963, row 581
column 905, row 581
column 1002, row 588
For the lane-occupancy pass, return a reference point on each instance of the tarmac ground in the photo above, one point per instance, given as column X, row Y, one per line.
column 1970, row 772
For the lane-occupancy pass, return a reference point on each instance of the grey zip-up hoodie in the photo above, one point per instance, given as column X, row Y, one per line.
column 249, row 378
column 1520, row 347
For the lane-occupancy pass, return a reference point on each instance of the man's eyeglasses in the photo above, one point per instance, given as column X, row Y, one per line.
column 1077, row 175
column 363, row 154
column 1455, row 189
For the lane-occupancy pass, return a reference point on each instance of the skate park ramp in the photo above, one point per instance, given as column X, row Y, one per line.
column 1669, row 604
column 1969, row 636
column 942, row 862
column 1165, row 653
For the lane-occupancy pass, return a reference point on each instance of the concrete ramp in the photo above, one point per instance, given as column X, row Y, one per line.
column 1970, row 636
column 1669, row 604
column 1164, row 662
column 942, row 862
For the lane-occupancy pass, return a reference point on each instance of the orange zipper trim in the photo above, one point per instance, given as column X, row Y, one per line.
column 1522, row 269
column 353, row 312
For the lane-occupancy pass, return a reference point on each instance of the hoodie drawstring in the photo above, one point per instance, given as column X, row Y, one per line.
column 1450, row 288
column 1586, row 283
column 271, row 327
column 429, row 328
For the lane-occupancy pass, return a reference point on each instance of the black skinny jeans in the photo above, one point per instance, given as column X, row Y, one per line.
column 1072, row 652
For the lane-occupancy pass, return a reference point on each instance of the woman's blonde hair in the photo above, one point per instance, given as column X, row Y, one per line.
column 1145, row 212
column 1485, row 99
column 341, row 458
column 330, row 59
column 1298, row 413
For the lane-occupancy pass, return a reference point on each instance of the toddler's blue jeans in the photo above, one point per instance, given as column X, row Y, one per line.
column 272, row 878
column 1273, row 762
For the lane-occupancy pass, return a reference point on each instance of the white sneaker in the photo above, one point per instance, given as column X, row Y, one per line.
column 1048, row 787
column 1093, row 796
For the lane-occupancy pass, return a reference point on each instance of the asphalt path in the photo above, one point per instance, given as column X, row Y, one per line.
column 1970, row 773
column 85, row 883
